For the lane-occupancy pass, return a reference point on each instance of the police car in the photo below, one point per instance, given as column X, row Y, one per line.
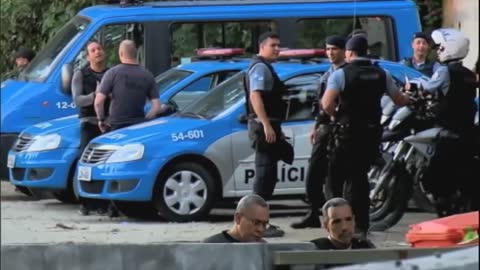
column 44, row 155
column 180, row 165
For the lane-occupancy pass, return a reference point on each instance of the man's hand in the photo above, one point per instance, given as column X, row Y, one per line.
column 312, row 134
column 270, row 136
column 102, row 126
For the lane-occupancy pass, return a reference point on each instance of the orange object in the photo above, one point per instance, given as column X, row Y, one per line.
column 444, row 232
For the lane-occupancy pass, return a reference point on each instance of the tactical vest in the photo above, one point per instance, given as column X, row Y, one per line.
column 457, row 108
column 426, row 68
column 365, row 83
column 89, row 86
column 272, row 100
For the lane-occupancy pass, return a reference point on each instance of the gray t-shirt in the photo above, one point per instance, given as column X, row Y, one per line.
column 130, row 86
column 260, row 78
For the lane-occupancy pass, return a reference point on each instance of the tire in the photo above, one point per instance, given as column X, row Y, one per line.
column 397, row 204
column 68, row 195
column 24, row 190
column 380, row 205
column 139, row 210
column 197, row 186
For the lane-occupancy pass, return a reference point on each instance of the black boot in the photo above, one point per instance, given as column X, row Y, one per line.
column 311, row 220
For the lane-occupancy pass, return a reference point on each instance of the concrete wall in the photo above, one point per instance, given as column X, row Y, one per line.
column 463, row 15
column 184, row 256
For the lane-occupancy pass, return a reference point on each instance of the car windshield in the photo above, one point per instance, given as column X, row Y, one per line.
column 41, row 66
column 218, row 100
column 170, row 77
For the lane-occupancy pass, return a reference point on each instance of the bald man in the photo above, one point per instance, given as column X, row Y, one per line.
column 129, row 86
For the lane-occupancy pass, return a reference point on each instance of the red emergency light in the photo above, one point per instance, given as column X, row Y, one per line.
column 302, row 53
column 219, row 52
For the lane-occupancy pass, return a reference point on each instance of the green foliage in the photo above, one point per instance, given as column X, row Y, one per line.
column 31, row 23
column 430, row 14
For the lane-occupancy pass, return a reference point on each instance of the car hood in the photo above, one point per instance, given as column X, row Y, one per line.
column 67, row 127
column 158, row 130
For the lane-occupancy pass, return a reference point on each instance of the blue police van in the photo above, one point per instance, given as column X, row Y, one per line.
column 180, row 165
column 167, row 32
column 45, row 154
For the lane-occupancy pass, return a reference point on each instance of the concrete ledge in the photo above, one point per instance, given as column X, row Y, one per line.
column 168, row 256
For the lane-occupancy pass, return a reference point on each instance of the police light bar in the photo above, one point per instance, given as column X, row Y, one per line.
column 216, row 52
column 301, row 53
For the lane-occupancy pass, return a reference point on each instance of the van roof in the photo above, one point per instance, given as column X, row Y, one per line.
column 206, row 6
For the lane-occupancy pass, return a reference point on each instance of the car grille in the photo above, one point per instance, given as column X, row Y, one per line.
column 95, row 154
column 22, row 143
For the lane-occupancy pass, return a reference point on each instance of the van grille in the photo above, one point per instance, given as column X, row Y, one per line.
column 23, row 142
column 94, row 154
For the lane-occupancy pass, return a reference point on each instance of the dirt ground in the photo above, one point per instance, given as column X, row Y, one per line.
column 32, row 220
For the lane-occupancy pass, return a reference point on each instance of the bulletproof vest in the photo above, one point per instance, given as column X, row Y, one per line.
column 457, row 107
column 272, row 100
column 365, row 83
column 426, row 68
column 89, row 86
column 321, row 116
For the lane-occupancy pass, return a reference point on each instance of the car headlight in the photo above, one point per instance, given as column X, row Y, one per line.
column 44, row 143
column 127, row 152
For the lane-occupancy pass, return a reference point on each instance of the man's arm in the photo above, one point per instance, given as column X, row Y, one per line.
column 154, row 99
column 100, row 105
column 335, row 84
column 438, row 82
column 257, row 77
column 392, row 91
column 77, row 90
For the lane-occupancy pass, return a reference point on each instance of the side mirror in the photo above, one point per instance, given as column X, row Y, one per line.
column 66, row 78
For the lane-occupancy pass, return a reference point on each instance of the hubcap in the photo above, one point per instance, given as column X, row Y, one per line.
column 185, row 192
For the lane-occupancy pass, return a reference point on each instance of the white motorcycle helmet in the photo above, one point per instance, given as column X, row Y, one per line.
column 452, row 44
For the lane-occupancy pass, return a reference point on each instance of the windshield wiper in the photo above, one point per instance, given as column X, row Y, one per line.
column 192, row 114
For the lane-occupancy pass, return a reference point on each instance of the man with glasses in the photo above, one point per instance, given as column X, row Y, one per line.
column 250, row 220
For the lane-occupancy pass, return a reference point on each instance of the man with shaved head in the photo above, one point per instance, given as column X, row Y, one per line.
column 129, row 86
column 249, row 222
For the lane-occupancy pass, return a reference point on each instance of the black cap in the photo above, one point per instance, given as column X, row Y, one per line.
column 358, row 32
column 358, row 44
column 421, row 35
column 336, row 41
column 24, row 52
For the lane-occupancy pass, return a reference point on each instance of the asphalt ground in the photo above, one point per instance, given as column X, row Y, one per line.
column 27, row 220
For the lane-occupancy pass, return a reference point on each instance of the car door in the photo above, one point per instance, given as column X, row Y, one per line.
column 302, row 93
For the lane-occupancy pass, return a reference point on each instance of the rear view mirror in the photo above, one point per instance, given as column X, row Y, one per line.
column 66, row 78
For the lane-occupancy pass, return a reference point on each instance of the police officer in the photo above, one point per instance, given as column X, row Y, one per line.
column 84, row 84
column 358, row 87
column 266, row 110
column 319, row 136
column 454, row 87
column 419, row 60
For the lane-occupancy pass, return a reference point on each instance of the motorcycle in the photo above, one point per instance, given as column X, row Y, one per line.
column 409, row 144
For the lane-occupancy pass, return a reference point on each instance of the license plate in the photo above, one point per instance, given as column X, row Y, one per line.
column 84, row 173
column 11, row 161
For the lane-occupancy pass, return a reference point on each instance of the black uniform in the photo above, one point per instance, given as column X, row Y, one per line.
column 267, row 155
column 357, row 136
column 453, row 159
column 318, row 163
column 89, row 126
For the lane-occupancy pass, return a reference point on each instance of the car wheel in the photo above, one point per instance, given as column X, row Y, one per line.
column 185, row 192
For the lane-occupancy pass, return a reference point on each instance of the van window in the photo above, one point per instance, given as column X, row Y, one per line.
column 186, row 37
column 111, row 36
column 312, row 33
column 41, row 66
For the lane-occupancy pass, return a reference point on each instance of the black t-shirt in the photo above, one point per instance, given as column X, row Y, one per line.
column 130, row 87
column 222, row 237
column 325, row 244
